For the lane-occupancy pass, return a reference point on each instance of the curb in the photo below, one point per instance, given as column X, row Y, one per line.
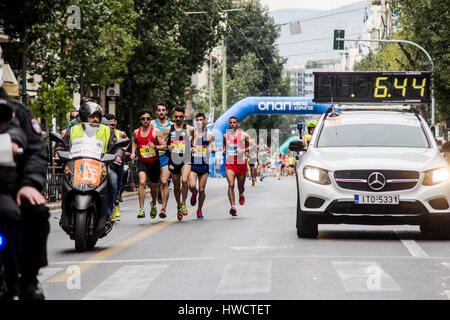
column 125, row 194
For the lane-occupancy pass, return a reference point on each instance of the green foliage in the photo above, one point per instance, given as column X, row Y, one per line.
column 172, row 48
column 53, row 102
column 427, row 24
column 99, row 49
column 253, row 64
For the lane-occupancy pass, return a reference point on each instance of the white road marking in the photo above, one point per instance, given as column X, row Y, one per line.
column 414, row 248
column 364, row 276
column 246, row 278
column 48, row 272
column 129, row 282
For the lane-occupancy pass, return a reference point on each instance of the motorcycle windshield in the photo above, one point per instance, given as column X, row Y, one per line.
column 87, row 146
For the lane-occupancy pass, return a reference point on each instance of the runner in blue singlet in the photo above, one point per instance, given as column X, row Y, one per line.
column 163, row 125
column 200, row 162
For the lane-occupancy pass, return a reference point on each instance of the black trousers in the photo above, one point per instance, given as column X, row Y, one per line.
column 25, row 230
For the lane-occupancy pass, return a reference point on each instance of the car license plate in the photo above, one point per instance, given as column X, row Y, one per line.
column 376, row 199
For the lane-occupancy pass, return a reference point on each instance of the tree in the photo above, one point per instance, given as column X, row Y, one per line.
column 254, row 67
column 52, row 102
column 172, row 48
column 427, row 24
column 97, row 49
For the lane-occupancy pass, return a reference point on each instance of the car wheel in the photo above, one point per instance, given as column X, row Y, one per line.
column 305, row 227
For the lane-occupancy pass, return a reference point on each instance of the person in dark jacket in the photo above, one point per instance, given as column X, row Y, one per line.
column 13, row 141
column 31, row 172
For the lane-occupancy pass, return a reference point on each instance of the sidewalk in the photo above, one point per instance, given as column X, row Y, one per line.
column 125, row 194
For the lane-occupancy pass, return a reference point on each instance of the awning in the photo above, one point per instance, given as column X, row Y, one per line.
column 10, row 83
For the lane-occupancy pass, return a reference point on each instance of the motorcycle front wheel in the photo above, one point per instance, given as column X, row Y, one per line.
column 80, row 231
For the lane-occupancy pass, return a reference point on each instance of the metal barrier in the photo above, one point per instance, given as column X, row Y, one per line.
column 53, row 183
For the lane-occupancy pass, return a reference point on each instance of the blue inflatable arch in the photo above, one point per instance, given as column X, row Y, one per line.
column 261, row 105
column 284, row 147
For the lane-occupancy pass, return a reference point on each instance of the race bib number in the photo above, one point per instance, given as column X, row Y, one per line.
column 87, row 171
column 147, row 152
column 233, row 150
column 87, row 147
column 178, row 146
column 200, row 151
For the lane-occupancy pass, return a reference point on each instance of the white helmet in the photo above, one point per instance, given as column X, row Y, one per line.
column 2, row 63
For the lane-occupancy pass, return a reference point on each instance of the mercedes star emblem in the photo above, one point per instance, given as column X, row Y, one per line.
column 376, row 181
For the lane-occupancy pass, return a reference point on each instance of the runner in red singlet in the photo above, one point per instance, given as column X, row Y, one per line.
column 147, row 141
column 235, row 147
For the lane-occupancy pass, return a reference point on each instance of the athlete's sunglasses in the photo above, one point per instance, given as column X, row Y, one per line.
column 179, row 116
column 146, row 118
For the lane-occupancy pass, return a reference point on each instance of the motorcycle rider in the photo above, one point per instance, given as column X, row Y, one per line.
column 91, row 112
column 31, row 170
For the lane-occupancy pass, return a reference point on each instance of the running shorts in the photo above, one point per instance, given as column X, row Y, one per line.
column 163, row 160
column 238, row 169
column 152, row 169
column 200, row 169
column 176, row 168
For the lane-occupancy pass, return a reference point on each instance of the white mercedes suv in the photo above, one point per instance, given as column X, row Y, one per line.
column 372, row 167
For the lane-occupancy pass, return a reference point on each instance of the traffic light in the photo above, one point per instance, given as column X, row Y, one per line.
column 338, row 44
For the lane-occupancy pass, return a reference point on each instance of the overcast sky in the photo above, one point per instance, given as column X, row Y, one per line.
column 306, row 4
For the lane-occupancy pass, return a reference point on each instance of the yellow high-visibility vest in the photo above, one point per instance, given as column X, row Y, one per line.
column 103, row 134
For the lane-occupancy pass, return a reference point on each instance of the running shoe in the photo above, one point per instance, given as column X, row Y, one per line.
column 179, row 214
column 184, row 210
column 199, row 214
column 117, row 210
column 113, row 217
column 194, row 198
column 153, row 212
column 141, row 213
column 241, row 200
column 233, row 211
column 162, row 213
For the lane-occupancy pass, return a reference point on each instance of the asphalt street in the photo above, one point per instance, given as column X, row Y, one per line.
column 254, row 256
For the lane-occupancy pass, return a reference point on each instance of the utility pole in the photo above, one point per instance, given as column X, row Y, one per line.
column 224, row 75
column 224, row 55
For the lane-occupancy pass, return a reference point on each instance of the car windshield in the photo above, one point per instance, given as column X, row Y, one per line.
column 338, row 133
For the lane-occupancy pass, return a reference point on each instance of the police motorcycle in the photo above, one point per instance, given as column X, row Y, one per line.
column 84, row 188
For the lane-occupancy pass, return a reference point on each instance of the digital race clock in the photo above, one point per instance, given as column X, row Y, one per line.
column 372, row 87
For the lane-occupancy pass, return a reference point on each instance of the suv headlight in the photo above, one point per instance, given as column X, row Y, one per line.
column 316, row 175
column 436, row 176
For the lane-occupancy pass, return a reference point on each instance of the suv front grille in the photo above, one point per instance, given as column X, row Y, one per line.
column 395, row 180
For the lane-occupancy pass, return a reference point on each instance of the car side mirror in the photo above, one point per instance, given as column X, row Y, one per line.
column 297, row 146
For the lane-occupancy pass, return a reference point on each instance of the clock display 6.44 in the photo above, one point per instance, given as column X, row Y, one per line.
column 372, row 87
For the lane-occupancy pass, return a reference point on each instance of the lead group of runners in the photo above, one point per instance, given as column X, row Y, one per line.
column 176, row 150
